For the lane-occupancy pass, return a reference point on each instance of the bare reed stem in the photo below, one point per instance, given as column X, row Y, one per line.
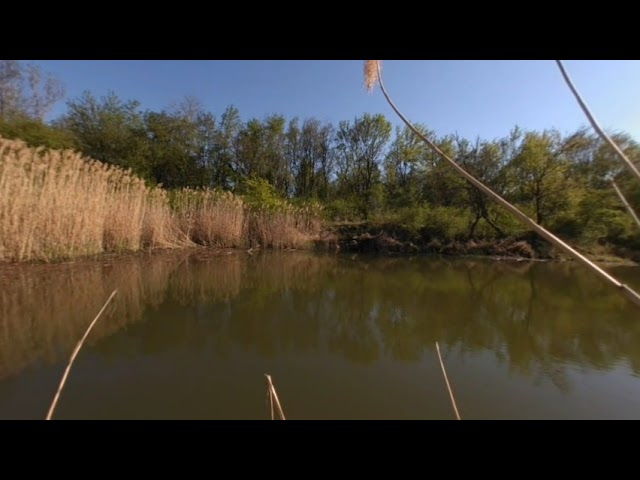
column 446, row 379
column 626, row 204
column 544, row 233
column 596, row 126
column 273, row 396
column 270, row 400
column 74, row 354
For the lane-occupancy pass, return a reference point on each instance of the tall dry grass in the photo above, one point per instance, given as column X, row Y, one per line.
column 210, row 217
column 59, row 204
column 287, row 226
column 160, row 228
column 222, row 219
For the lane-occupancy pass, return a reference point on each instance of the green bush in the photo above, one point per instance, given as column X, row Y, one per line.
column 343, row 209
column 37, row 134
column 443, row 223
column 259, row 193
column 446, row 223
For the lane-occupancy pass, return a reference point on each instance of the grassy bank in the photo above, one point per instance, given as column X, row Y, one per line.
column 57, row 204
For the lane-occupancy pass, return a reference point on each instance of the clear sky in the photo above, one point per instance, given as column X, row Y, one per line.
column 483, row 98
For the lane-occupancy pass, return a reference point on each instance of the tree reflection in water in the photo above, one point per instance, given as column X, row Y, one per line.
column 538, row 318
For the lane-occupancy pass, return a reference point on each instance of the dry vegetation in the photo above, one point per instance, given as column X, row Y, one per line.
column 58, row 204
column 284, row 227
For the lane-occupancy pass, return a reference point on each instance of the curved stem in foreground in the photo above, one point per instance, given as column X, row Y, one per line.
column 446, row 379
column 74, row 355
column 596, row 126
column 544, row 233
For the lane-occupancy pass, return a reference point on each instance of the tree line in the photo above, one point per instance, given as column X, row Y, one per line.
column 360, row 169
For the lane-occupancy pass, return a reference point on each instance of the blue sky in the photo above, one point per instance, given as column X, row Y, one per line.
column 483, row 98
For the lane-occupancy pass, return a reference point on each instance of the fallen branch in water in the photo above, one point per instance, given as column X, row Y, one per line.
column 272, row 396
column 74, row 354
column 446, row 379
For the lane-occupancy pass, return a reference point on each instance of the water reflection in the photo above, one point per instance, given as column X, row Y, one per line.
column 536, row 318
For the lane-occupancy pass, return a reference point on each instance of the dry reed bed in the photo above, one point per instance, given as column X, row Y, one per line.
column 286, row 227
column 59, row 204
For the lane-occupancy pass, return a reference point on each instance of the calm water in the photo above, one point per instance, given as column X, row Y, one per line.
column 192, row 335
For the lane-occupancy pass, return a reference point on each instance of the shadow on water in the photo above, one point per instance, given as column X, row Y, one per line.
column 536, row 319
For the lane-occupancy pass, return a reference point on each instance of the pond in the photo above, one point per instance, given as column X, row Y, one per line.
column 191, row 334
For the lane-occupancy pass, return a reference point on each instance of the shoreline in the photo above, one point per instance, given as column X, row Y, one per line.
column 108, row 258
column 358, row 240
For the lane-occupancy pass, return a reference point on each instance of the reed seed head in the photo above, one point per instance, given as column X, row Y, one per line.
column 371, row 73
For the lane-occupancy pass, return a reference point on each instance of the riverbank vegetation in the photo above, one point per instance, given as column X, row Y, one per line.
column 184, row 176
column 57, row 204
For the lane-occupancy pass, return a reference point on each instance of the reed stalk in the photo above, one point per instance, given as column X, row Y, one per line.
column 544, row 233
column 446, row 379
column 607, row 139
column 594, row 123
column 74, row 355
column 273, row 398
column 625, row 203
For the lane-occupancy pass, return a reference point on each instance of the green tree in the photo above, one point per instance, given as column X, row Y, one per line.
column 248, row 149
column 441, row 185
column 539, row 174
column 223, row 157
column 309, row 154
column 37, row 133
column 484, row 161
column 274, row 166
column 404, row 167
column 258, row 192
column 181, row 148
column 260, row 151
column 360, row 150
column 110, row 130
